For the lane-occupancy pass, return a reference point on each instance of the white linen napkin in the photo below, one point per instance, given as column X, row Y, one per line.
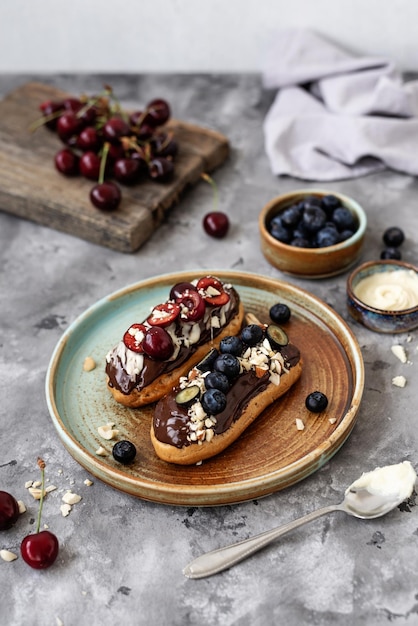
column 336, row 116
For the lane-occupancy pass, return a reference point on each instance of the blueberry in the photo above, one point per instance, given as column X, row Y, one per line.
column 207, row 363
column 346, row 234
column 343, row 219
column 227, row 364
column 252, row 334
column 391, row 253
column 279, row 231
column 217, row 380
column 316, row 402
column 314, row 218
column 329, row 203
column 291, row 216
column 301, row 242
column 231, row 345
column 280, row 313
column 124, row 452
column 311, row 201
column 327, row 236
column 393, row 237
column 213, row 401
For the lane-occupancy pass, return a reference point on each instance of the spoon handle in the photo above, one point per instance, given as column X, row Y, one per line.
column 223, row 558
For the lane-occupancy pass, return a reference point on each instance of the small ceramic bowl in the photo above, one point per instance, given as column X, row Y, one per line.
column 311, row 262
column 379, row 319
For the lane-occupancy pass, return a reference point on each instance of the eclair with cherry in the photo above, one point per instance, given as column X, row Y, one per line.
column 153, row 354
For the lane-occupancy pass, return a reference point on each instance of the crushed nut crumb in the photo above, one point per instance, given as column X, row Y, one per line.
column 89, row 364
column 8, row 556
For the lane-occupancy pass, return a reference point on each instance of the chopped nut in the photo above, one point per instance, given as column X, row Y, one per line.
column 36, row 483
column 71, row 498
column 399, row 352
column 209, row 434
column 28, row 484
column 332, row 420
column 89, row 364
column 50, row 488
column 107, row 431
column 35, row 492
column 88, row 482
column 22, row 506
column 260, row 370
column 8, row 556
column 101, row 451
column 299, row 424
column 65, row 509
column 399, row 381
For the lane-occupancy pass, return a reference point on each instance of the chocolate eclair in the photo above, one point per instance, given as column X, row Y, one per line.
column 154, row 353
column 224, row 393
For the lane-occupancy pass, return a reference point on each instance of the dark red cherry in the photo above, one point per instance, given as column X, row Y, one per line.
column 106, row 196
column 127, row 170
column 134, row 337
column 179, row 288
column 115, row 128
column 40, row 549
column 163, row 145
column 68, row 124
column 161, row 169
column 116, row 151
column 90, row 165
column 9, row 510
column 73, row 104
column 158, row 112
column 51, row 108
column 67, row 162
column 216, row 224
column 88, row 139
column 164, row 314
column 212, row 291
column 192, row 306
column 158, row 343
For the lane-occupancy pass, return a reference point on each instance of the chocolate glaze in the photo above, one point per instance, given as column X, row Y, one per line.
column 171, row 420
column 120, row 379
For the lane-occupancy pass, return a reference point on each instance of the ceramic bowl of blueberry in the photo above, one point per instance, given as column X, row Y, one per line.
column 312, row 233
column 383, row 295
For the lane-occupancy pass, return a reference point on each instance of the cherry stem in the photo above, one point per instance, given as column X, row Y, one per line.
column 41, row 465
column 41, row 121
column 103, row 163
column 214, row 186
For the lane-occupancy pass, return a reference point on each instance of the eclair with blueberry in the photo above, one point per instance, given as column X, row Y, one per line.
column 153, row 354
column 224, row 393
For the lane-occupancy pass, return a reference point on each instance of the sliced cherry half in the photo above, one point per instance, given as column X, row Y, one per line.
column 192, row 306
column 158, row 344
column 212, row 291
column 134, row 337
column 164, row 314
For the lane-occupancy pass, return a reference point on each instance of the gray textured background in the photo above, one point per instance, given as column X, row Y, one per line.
column 121, row 558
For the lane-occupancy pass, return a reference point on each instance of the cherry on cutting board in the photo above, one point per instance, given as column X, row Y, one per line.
column 40, row 549
column 9, row 510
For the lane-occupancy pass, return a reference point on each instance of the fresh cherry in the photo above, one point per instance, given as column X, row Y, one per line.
column 106, row 196
column 161, row 169
column 134, row 337
column 179, row 288
column 88, row 139
column 90, row 165
column 158, row 112
column 216, row 224
column 40, row 549
column 192, row 306
column 67, row 162
column 9, row 510
column 127, row 171
column 114, row 129
column 164, row 314
column 50, row 111
column 212, row 291
column 158, row 343
column 68, row 124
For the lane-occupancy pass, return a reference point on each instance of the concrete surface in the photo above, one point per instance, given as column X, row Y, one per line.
column 121, row 558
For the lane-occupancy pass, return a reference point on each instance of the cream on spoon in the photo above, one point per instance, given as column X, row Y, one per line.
column 374, row 494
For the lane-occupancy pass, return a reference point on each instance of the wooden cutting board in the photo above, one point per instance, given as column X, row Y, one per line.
column 31, row 187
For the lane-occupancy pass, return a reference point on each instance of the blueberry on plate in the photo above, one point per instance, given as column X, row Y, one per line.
column 217, row 380
column 227, row 364
column 279, row 313
column 207, row 363
column 213, row 401
column 316, row 402
column 252, row 334
column 124, row 452
column 231, row 345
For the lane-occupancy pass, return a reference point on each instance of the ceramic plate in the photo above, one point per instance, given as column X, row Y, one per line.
column 270, row 455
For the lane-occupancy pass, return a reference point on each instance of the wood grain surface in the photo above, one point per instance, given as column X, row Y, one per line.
column 31, row 188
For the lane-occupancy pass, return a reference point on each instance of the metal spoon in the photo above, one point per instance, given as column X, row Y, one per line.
column 357, row 502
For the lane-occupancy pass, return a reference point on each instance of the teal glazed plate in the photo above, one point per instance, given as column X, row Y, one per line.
column 270, row 455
